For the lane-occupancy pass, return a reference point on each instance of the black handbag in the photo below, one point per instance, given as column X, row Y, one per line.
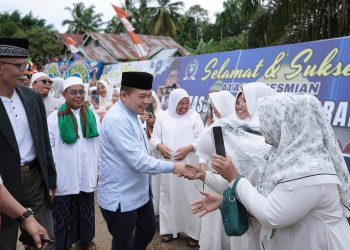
column 234, row 214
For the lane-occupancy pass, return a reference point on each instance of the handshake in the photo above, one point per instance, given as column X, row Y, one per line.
column 222, row 165
column 188, row 171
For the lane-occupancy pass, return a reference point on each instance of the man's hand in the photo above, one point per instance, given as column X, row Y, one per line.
column 225, row 167
column 207, row 204
column 164, row 150
column 181, row 153
column 32, row 227
column 183, row 170
column 200, row 172
column 52, row 193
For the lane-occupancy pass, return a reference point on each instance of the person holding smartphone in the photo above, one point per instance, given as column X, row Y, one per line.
column 243, row 144
column 15, row 210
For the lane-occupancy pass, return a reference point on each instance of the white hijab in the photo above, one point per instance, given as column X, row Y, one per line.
column 224, row 102
column 107, row 100
column 158, row 109
column 57, row 87
column 174, row 98
column 303, row 143
column 253, row 92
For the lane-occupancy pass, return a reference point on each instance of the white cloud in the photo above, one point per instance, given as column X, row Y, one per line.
column 53, row 10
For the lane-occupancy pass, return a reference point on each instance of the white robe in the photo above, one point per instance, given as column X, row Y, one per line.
column 177, row 193
column 76, row 164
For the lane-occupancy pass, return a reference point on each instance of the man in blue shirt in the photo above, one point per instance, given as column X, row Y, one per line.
column 124, row 192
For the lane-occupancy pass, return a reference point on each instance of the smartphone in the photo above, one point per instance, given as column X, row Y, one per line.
column 210, row 111
column 219, row 141
column 95, row 96
column 149, row 108
column 27, row 239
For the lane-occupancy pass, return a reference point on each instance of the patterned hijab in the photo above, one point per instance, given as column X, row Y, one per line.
column 303, row 143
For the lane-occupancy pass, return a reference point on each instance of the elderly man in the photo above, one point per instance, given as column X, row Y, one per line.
column 27, row 166
column 124, row 183
column 74, row 138
column 42, row 83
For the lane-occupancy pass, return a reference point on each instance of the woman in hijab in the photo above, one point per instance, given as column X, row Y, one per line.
column 105, row 98
column 115, row 95
column 212, row 234
column 57, row 88
column 175, row 137
column 303, row 192
column 149, row 125
column 246, row 147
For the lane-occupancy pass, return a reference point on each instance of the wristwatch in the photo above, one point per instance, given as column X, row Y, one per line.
column 24, row 215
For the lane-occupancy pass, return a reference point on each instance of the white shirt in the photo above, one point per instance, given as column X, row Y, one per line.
column 20, row 125
column 76, row 164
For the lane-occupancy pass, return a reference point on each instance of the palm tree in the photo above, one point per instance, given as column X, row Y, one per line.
column 164, row 19
column 288, row 21
column 83, row 19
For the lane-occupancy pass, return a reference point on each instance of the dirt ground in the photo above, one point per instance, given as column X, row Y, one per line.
column 103, row 239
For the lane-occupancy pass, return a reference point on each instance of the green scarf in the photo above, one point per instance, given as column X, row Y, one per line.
column 68, row 125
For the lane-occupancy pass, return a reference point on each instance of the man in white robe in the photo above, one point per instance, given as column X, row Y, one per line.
column 74, row 138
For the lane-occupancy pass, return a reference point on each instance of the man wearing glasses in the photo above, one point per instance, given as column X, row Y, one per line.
column 27, row 166
column 74, row 136
column 42, row 83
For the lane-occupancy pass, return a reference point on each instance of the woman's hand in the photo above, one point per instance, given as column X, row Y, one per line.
column 181, row 153
column 164, row 151
column 225, row 167
column 207, row 204
column 199, row 174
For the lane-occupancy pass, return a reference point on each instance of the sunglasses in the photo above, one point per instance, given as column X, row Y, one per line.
column 20, row 66
column 76, row 92
column 46, row 81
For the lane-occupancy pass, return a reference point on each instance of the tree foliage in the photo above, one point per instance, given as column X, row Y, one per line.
column 83, row 19
column 42, row 41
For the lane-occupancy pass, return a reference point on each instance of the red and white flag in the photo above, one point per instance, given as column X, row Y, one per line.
column 73, row 49
column 133, row 36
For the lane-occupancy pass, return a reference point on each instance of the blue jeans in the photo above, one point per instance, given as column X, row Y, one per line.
column 132, row 230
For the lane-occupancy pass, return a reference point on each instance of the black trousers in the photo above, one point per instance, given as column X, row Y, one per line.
column 132, row 230
column 33, row 196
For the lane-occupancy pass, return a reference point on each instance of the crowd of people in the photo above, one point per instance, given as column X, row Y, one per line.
column 61, row 140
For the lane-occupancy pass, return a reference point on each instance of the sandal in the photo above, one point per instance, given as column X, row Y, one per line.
column 167, row 238
column 192, row 242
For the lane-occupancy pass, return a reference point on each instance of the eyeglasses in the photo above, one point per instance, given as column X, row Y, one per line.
column 20, row 66
column 76, row 92
column 46, row 81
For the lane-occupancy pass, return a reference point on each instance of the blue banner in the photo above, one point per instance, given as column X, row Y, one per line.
column 321, row 68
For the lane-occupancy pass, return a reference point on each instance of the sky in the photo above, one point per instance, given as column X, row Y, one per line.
column 53, row 10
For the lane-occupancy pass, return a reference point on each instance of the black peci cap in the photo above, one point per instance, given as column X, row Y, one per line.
column 136, row 79
column 14, row 47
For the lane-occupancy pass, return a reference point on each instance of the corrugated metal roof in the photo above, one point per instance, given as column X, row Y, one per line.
column 96, row 54
column 76, row 37
column 122, row 49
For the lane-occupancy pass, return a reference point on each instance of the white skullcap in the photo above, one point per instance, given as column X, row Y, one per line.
column 36, row 76
column 70, row 81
